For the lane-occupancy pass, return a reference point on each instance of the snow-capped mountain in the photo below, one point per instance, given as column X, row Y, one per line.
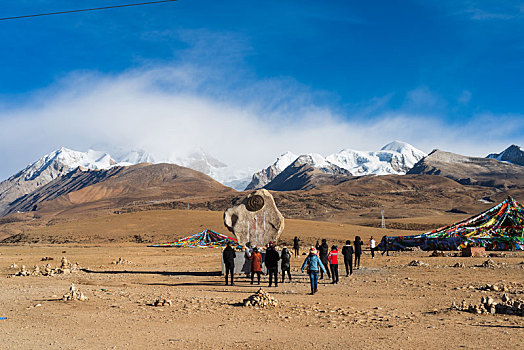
column 136, row 157
column 321, row 163
column 200, row 161
column 513, row 154
column 265, row 176
column 394, row 158
column 64, row 160
column 48, row 168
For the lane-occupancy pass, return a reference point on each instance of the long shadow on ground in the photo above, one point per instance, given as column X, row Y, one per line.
column 162, row 273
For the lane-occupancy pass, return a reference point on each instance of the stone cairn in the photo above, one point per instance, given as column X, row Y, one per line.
column 47, row 270
column 260, row 299
column 74, row 294
column 121, row 261
column 489, row 306
column 417, row 263
column 490, row 264
column 494, row 288
column 162, row 302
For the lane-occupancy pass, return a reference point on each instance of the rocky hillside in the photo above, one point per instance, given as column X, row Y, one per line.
column 121, row 186
column 48, row 168
column 513, row 154
column 471, row 170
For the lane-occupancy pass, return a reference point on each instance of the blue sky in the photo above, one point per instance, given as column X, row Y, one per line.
column 375, row 67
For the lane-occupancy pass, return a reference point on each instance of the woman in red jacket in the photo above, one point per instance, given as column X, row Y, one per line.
column 256, row 264
column 333, row 263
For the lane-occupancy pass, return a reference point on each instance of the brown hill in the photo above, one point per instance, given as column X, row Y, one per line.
column 471, row 170
column 359, row 200
column 117, row 187
column 299, row 176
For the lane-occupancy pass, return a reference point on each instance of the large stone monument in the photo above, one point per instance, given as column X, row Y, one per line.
column 256, row 219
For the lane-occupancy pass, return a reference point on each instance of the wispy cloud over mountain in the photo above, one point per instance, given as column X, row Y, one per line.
column 172, row 108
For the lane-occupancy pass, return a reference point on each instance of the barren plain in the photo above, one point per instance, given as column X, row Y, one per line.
column 386, row 303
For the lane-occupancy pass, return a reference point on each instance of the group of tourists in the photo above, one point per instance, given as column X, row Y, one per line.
column 320, row 260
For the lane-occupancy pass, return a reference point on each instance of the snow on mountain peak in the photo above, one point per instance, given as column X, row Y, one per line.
column 396, row 157
column 284, row 160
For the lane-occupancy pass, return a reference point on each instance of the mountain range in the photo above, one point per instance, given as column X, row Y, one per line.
column 62, row 175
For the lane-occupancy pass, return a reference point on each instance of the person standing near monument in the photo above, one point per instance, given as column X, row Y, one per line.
column 296, row 246
column 313, row 264
column 333, row 264
column 347, row 251
column 358, row 251
column 372, row 245
column 248, row 250
column 285, row 265
column 256, row 264
column 229, row 256
column 272, row 259
column 323, row 252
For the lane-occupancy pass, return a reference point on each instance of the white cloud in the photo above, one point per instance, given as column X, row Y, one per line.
column 171, row 110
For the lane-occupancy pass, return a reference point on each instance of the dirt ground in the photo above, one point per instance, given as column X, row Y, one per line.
column 385, row 304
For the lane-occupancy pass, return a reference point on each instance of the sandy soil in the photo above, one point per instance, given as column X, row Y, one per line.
column 386, row 304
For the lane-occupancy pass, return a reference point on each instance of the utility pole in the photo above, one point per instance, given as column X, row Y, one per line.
column 383, row 225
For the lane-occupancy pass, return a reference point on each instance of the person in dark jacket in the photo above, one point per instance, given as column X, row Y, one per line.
column 358, row 251
column 272, row 259
column 323, row 252
column 347, row 251
column 285, row 265
column 229, row 256
column 296, row 246
column 385, row 246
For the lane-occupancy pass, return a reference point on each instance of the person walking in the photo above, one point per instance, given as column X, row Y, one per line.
column 347, row 251
column 385, row 246
column 333, row 264
column 272, row 259
column 323, row 252
column 285, row 265
column 229, row 256
column 372, row 245
column 296, row 246
column 317, row 245
column 313, row 264
column 358, row 251
column 256, row 264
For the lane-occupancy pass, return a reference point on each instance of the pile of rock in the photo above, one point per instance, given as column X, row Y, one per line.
column 417, row 263
column 121, row 261
column 489, row 306
column 489, row 264
column 162, row 302
column 459, row 264
column 260, row 299
column 436, row 253
column 494, row 288
column 74, row 294
column 47, row 270
column 23, row 271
